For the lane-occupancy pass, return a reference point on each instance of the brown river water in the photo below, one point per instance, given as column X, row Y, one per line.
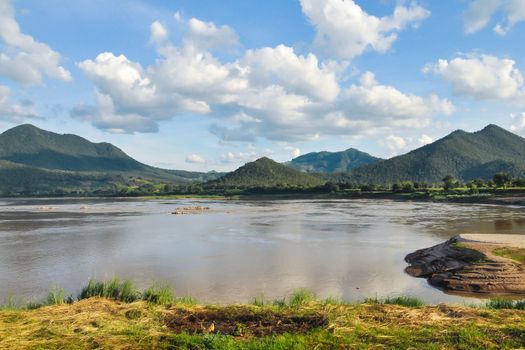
column 235, row 251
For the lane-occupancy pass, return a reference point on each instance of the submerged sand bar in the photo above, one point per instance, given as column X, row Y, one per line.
column 514, row 240
column 473, row 264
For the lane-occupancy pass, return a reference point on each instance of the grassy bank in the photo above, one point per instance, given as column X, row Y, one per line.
column 114, row 315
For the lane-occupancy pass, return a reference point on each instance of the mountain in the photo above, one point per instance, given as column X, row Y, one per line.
column 461, row 154
column 265, row 172
column 72, row 161
column 332, row 162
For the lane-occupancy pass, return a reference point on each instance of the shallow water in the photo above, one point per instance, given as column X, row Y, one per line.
column 236, row 251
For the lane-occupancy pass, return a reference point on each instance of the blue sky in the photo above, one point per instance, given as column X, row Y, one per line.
column 208, row 84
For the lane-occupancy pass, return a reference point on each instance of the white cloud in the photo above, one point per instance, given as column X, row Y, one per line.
column 298, row 74
column 482, row 77
column 373, row 101
column 294, row 152
column 244, row 157
column 425, row 140
column 195, row 158
column 22, row 58
column 394, row 143
column 158, row 32
column 206, row 35
column 271, row 92
column 345, row 30
column 14, row 113
column 480, row 13
column 518, row 122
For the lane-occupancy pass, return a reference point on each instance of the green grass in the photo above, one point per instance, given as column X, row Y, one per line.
column 516, row 254
column 301, row 297
column 404, row 301
column 109, row 324
column 508, row 304
column 113, row 289
column 110, row 318
column 159, row 294
column 407, row 301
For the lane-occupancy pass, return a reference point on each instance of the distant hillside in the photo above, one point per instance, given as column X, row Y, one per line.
column 265, row 172
column 332, row 162
column 32, row 158
column 23, row 179
column 461, row 154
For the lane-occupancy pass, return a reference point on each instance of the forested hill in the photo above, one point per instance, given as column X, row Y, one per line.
column 265, row 172
column 33, row 160
column 29, row 145
column 332, row 162
column 461, row 154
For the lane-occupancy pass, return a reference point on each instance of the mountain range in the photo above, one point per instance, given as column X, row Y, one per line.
column 463, row 155
column 332, row 162
column 33, row 160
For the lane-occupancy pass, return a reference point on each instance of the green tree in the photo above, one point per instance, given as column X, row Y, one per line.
column 502, row 179
column 448, row 182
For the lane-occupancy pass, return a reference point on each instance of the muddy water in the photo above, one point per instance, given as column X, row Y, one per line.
column 236, row 250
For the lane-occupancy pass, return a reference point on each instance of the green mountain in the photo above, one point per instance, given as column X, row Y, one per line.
column 461, row 154
column 332, row 162
column 265, row 172
column 39, row 160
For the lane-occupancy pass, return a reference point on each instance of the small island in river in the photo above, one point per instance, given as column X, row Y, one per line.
column 490, row 264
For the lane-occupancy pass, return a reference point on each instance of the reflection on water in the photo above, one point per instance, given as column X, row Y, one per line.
column 237, row 250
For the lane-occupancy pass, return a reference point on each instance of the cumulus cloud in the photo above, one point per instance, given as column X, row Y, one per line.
column 158, row 32
column 244, row 157
column 480, row 13
column 482, row 77
column 345, row 30
column 518, row 122
column 425, row 140
column 294, row 152
column 14, row 113
column 271, row 92
column 22, row 58
column 195, row 159
column 394, row 143
column 207, row 35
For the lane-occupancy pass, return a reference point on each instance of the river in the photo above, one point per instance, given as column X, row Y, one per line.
column 237, row 250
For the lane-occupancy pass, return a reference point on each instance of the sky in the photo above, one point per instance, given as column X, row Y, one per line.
column 202, row 85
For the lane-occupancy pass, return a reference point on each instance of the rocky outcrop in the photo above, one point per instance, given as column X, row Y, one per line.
column 464, row 266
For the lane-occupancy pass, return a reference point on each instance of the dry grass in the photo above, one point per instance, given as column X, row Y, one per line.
column 107, row 324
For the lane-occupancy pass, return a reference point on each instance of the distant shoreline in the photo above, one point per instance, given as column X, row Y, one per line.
column 516, row 198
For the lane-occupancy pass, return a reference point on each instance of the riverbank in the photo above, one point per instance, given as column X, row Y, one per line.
column 514, row 197
column 487, row 264
column 303, row 324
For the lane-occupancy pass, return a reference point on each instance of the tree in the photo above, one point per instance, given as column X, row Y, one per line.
column 479, row 183
column 502, row 179
column 448, row 182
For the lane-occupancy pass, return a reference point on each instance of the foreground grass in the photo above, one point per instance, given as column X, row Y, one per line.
column 110, row 324
column 114, row 315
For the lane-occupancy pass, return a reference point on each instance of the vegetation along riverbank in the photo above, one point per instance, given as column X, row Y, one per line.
column 114, row 315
